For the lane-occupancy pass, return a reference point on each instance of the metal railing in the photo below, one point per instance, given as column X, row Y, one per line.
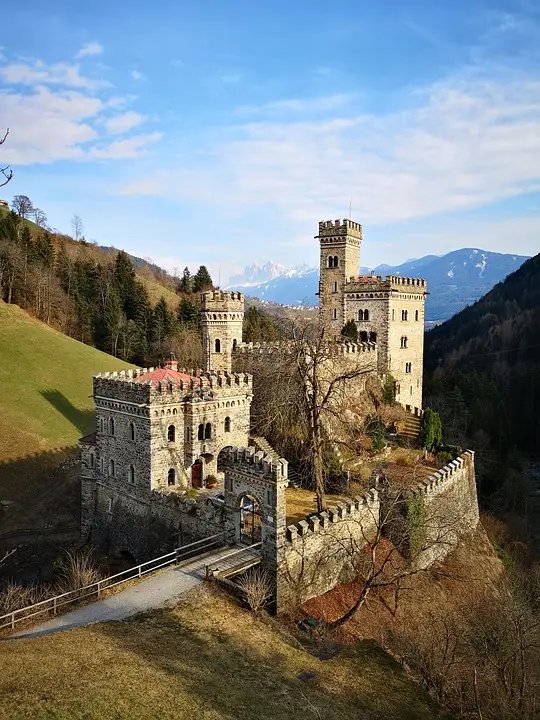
column 94, row 590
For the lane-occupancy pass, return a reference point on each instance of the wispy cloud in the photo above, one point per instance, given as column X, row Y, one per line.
column 59, row 114
column 119, row 124
column 91, row 48
column 307, row 105
column 39, row 73
column 469, row 142
column 136, row 75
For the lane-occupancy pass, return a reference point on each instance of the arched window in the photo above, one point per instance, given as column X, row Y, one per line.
column 131, row 475
column 416, row 315
column 111, row 426
column 131, row 431
column 218, row 346
column 171, row 477
column 200, row 434
column 330, row 261
column 404, row 342
column 373, row 337
column 171, row 433
column 208, row 431
column 227, row 424
column 404, row 314
column 366, row 315
column 111, row 468
column 408, row 367
column 360, row 316
column 234, row 344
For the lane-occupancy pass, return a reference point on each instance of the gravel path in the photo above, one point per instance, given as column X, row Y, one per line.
column 155, row 592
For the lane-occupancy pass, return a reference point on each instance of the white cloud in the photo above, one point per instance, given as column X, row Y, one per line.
column 136, row 75
column 61, row 115
column 91, row 48
column 39, row 73
column 133, row 147
column 468, row 143
column 119, row 124
column 299, row 105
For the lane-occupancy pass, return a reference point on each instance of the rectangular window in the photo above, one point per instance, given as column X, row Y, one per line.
column 335, row 315
column 335, row 287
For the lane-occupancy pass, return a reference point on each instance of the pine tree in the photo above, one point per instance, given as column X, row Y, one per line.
column 389, row 390
column 430, row 430
column 188, row 314
column 202, row 280
column 350, row 331
column 186, row 282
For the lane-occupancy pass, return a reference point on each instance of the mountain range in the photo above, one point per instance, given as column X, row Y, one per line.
column 455, row 280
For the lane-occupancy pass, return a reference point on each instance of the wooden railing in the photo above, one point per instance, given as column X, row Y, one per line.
column 55, row 604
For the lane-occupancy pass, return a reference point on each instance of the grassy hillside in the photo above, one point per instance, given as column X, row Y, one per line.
column 46, row 380
column 206, row 659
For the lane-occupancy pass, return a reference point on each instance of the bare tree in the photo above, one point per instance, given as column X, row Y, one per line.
column 6, row 555
column 6, row 172
column 77, row 227
column 23, row 206
column 308, row 381
column 40, row 218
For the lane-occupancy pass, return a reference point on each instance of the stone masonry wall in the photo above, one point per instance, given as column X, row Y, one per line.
column 322, row 551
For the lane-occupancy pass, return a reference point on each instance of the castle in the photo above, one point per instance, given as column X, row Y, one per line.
column 162, row 431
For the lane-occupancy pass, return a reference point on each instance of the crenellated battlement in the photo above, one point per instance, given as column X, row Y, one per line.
column 361, row 508
column 336, row 228
column 256, row 462
column 376, row 283
column 215, row 301
column 124, row 381
column 444, row 477
column 333, row 348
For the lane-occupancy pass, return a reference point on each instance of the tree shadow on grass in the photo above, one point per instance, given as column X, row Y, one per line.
column 83, row 420
column 250, row 672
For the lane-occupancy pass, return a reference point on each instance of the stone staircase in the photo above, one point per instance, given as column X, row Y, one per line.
column 410, row 427
column 262, row 444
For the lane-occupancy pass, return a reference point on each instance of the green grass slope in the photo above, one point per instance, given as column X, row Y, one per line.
column 45, row 381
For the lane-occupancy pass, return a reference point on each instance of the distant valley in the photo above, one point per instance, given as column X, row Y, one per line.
column 455, row 280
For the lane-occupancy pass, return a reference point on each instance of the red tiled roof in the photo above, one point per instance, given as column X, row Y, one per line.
column 163, row 375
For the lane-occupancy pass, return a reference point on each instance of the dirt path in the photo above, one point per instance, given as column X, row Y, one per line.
column 155, row 592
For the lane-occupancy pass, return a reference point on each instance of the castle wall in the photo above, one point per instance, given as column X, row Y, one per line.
column 450, row 509
column 326, row 549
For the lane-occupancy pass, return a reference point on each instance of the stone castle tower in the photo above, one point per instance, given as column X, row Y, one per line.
column 222, row 316
column 340, row 260
column 388, row 312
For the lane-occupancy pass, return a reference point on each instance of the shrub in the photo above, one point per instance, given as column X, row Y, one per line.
column 258, row 588
column 444, row 458
column 14, row 597
column 77, row 570
column 405, row 461
column 350, row 331
column 211, row 481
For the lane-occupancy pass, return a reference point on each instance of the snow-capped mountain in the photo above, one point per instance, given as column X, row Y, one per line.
column 256, row 274
column 455, row 280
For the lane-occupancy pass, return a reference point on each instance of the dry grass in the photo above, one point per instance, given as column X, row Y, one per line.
column 207, row 659
column 300, row 502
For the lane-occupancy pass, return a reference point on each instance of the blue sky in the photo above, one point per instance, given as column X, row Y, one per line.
column 222, row 132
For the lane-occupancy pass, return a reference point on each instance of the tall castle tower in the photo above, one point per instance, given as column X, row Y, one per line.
column 222, row 315
column 340, row 261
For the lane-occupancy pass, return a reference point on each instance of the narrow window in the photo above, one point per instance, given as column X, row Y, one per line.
column 334, row 315
column 411, row 389
column 208, row 432
column 218, row 346
column 416, row 315
column 91, row 459
column 360, row 316
column 101, row 427
column 404, row 314
column 111, row 468
column 171, row 477
column 234, row 344
column 404, row 342
column 200, row 434
column 227, row 424
column 131, row 431
column 102, row 465
column 109, row 505
column 366, row 315
column 398, row 388
column 393, row 314
column 111, row 426
column 188, row 434
column 131, row 475
column 171, row 433
column 335, row 287
column 336, row 261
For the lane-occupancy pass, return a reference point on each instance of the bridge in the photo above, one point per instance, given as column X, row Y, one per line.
column 181, row 570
